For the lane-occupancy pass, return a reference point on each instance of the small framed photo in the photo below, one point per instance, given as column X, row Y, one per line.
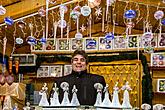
column 119, row 42
column 77, row 44
column 50, row 44
column 63, row 44
column 105, row 44
column 43, row 71
column 158, row 59
column 152, row 43
column 133, row 41
column 38, row 47
column 91, row 43
column 55, row 71
column 67, row 69
column 161, row 85
column 161, row 40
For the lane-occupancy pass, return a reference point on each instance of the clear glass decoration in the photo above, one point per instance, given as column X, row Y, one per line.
column 2, row 10
column 75, row 14
column 43, row 40
column 19, row 40
column 62, row 23
column 27, row 107
column 43, row 93
column 147, row 36
column 98, row 87
column 106, row 101
column 9, row 21
column 31, row 40
column 54, row 101
column 146, row 106
column 159, row 14
column 52, row 1
column 65, row 100
column 130, row 14
column 163, row 22
column 85, row 10
column 115, row 100
column 21, row 23
column 42, row 12
column 126, row 100
column 74, row 101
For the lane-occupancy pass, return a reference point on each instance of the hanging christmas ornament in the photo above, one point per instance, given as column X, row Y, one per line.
column 2, row 79
column 2, row 10
column 85, row 10
column 62, row 23
column 130, row 14
column 77, row 8
column 19, row 40
column 75, row 14
column 43, row 40
column 82, row 28
column 158, row 14
column 163, row 22
column 63, row 9
column 42, row 12
column 109, row 36
column 52, row 1
column 21, row 23
column 31, row 40
column 9, row 21
column 94, row 3
column 98, row 12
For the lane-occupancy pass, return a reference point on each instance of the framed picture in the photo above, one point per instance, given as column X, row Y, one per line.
column 38, row 47
column 63, row 44
column 153, row 43
column 43, row 71
column 55, row 71
column 161, row 85
column 67, row 69
column 158, row 59
column 91, row 43
column 50, row 44
column 133, row 41
column 119, row 42
column 105, row 44
column 161, row 40
column 77, row 44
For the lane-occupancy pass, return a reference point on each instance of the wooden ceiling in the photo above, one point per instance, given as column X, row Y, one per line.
column 20, row 8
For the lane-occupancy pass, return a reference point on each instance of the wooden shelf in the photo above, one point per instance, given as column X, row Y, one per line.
column 157, row 67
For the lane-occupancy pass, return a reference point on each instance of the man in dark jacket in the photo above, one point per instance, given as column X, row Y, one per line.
column 84, row 81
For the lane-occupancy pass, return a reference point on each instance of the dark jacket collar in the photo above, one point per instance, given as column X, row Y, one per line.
column 79, row 74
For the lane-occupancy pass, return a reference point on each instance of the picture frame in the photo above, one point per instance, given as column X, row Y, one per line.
column 133, row 41
column 39, row 47
column 158, row 59
column 161, row 85
column 43, row 71
column 161, row 40
column 63, row 44
column 51, row 44
column 77, row 44
column 91, row 44
column 119, row 42
column 67, row 69
column 105, row 44
column 55, row 71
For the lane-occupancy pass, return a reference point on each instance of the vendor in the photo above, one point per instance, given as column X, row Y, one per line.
column 84, row 81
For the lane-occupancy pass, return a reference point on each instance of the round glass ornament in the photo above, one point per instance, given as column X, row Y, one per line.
column 19, row 40
column 158, row 14
column 130, row 14
column 85, row 10
column 9, row 21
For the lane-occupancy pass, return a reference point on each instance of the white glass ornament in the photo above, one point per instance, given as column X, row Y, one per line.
column 159, row 14
column 19, row 40
column 42, row 12
column 74, row 101
column 43, row 93
column 85, row 10
column 62, row 23
column 2, row 10
column 99, row 88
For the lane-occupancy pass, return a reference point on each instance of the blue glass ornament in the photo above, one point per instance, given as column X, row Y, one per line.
column 43, row 40
column 161, row 57
column 31, row 40
column 130, row 14
column 8, row 20
column 109, row 36
column 163, row 21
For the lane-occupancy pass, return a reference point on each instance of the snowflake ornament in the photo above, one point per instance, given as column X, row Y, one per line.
column 98, row 12
column 82, row 28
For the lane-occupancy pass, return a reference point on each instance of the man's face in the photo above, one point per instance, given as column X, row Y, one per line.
column 79, row 63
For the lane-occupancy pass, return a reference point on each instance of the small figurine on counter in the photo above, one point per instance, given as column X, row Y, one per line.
column 54, row 101
column 74, row 101
column 27, row 107
column 15, row 107
column 43, row 93
column 99, row 88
